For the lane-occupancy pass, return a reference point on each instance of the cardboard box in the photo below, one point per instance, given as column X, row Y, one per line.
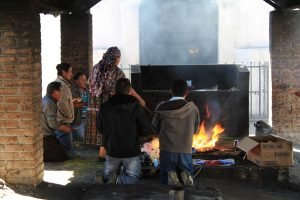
column 270, row 150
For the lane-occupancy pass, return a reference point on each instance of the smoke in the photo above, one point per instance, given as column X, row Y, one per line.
column 183, row 31
column 178, row 32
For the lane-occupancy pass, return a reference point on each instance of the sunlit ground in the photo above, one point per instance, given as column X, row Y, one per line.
column 8, row 194
column 58, row 177
column 55, row 177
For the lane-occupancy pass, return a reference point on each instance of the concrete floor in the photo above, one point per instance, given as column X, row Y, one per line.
column 74, row 179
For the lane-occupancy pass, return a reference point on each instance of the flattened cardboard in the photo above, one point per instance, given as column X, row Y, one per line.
column 246, row 144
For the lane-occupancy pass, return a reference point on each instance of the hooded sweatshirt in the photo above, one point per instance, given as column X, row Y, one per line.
column 65, row 111
column 176, row 121
column 122, row 121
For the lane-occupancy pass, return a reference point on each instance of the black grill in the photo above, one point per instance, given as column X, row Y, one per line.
column 223, row 90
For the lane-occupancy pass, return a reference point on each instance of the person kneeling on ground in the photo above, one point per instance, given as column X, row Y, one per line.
column 65, row 107
column 79, row 92
column 176, row 121
column 122, row 121
column 53, row 150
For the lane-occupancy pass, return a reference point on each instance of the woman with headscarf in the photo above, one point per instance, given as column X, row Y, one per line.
column 103, row 78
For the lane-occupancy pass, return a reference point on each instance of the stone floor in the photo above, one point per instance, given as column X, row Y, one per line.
column 74, row 179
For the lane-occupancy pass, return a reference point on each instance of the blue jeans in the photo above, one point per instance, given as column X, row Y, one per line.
column 170, row 161
column 65, row 139
column 78, row 131
column 130, row 173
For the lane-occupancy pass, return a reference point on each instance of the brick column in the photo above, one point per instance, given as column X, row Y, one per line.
column 21, row 144
column 285, row 60
column 77, row 41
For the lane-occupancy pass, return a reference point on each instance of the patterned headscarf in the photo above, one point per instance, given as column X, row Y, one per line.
column 104, row 74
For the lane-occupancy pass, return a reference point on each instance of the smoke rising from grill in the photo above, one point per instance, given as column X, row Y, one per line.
column 178, row 32
column 182, row 31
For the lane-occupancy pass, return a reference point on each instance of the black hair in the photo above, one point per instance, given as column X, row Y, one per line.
column 123, row 86
column 78, row 74
column 62, row 67
column 179, row 88
column 53, row 86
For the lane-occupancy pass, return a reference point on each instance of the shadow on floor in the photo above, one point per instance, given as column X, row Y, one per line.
column 75, row 181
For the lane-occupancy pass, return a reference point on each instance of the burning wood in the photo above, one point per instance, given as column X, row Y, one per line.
column 207, row 136
column 152, row 148
column 205, row 140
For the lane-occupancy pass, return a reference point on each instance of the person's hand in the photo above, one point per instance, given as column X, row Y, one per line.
column 139, row 98
column 69, row 129
column 76, row 100
column 66, row 129
column 142, row 102
column 79, row 104
column 294, row 91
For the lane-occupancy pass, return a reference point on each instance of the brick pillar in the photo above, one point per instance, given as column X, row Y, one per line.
column 21, row 144
column 285, row 59
column 77, row 41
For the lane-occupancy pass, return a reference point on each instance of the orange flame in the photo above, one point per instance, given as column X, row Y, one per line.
column 205, row 140
column 152, row 148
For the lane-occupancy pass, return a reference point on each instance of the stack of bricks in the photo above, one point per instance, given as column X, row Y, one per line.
column 21, row 134
column 285, row 63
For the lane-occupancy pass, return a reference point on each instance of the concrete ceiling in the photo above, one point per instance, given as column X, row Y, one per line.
column 284, row 4
column 77, row 6
column 65, row 6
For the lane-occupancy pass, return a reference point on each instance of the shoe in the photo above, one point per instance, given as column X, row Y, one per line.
column 112, row 179
column 173, row 179
column 187, row 179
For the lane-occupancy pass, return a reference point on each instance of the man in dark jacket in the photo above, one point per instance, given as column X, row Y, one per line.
column 122, row 121
column 176, row 121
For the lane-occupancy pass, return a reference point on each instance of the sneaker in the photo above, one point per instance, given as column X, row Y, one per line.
column 187, row 179
column 173, row 179
column 112, row 179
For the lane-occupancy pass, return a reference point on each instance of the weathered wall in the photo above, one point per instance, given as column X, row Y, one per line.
column 285, row 61
column 21, row 150
column 77, row 41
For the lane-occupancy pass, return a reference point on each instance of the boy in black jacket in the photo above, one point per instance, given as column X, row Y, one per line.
column 122, row 121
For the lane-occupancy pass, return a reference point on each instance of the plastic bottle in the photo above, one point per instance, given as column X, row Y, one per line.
column 155, row 162
column 84, row 98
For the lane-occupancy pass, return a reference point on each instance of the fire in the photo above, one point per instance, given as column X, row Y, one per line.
column 205, row 140
column 152, row 148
